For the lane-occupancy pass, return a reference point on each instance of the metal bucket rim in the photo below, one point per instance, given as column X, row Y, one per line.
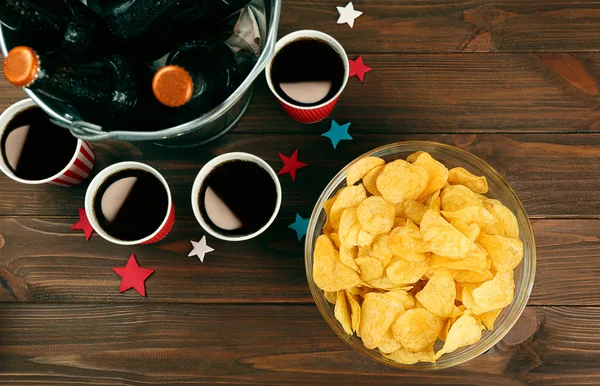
column 92, row 132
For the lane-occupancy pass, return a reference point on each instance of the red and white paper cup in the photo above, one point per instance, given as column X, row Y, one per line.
column 159, row 234
column 309, row 114
column 78, row 169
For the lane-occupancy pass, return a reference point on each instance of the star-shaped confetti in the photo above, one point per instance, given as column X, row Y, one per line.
column 133, row 276
column 348, row 14
column 83, row 224
column 358, row 68
column 291, row 165
column 300, row 226
column 337, row 133
column 200, row 248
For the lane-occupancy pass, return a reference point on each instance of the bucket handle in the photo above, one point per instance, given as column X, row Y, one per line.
column 83, row 130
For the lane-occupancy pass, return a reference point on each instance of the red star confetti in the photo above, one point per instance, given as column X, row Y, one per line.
column 358, row 68
column 133, row 276
column 291, row 165
column 83, row 224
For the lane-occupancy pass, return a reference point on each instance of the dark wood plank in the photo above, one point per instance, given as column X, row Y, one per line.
column 554, row 175
column 192, row 344
column 453, row 26
column 448, row 93
column 456, row 93
column 44, row 261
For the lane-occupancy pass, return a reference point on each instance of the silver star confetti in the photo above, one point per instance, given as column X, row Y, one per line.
column 348, row 14
column 200, row 249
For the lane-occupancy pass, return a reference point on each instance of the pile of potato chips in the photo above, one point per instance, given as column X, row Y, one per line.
column 416, row 253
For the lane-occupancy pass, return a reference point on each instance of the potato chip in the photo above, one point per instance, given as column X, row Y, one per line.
column 399, row 222
column 347, row 257
column 382, row 283
column 401, row 271
column 342, row 313
column 475, row 261
column 408, row 238
column 347, row 220
column 439, row 294
column 434, row 202
column 456, row 197
column 329, row 273
column 408, row 358
column 365, row 239
column 436, row 171
column 444, row 331
column 388, row 343
column 380, row 250
column 506, row 252
column 466, row 297
column 489, row 318
column 356, row 290
column 370, row 268
column 360, row 168
column 331, row 297
column 403, row 297
column 400, row 181
column 396, row 263
column 507, row 222
column 465, row 331
column 376, row 215
column 413, row 157
column 348, row 197
column 474, row 214
column 328, row 228
column 460, row 176
column 378, row 313
column 441, row 238
column 336, row 239
column 473, row 276
column 355, row 312
column 496, row 293
column 397, row 247
column 370, row 180
column 411, row 209
column 417, row 329
column 471, row 230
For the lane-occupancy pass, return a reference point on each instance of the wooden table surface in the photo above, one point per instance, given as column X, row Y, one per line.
column 515, row 82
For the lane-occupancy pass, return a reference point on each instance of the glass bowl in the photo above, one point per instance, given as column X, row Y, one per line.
column 498, row 188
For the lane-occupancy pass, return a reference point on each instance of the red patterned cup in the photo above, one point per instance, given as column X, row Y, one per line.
column 159, row 234
column 78, row 168
column 309, row 114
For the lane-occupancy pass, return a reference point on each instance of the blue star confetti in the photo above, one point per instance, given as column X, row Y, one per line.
column 337, row 133
column 300, row 226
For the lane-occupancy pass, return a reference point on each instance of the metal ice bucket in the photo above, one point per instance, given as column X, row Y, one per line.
column 201, row 130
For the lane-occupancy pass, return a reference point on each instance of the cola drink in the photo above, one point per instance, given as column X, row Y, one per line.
column 200, row 75
column 103, row 89
column 148, row 29
column 58, row 26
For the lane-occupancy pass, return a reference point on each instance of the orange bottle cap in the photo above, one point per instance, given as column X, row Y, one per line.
column 21, row 66
column 172, row 86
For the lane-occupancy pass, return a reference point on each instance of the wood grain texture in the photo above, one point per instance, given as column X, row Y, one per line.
column 445, row 93
column 555, row 175
column 195, row 344
column 453, row 26
column 35, row 265
column 455, row 93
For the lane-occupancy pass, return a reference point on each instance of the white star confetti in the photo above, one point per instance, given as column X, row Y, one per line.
column 200, row 248
column 348, row 14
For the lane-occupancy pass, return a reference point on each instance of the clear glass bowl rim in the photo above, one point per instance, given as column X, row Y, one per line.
column 514, row 310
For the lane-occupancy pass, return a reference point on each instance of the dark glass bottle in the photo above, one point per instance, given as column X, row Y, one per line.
column 65, row 26
column 102, row 90
column 148, row 29
column 200, row 75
